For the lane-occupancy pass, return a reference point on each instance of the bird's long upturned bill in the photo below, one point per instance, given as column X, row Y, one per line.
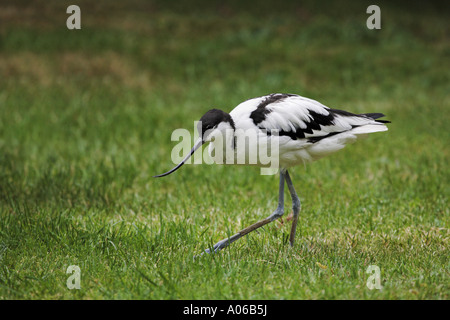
column 197, row 145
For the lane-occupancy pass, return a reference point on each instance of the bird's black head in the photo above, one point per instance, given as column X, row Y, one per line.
column 211, row 120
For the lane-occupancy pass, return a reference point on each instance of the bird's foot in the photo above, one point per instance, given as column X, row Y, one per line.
column 220, row 245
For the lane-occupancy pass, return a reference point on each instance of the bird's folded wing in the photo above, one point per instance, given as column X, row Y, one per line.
column 302, row 118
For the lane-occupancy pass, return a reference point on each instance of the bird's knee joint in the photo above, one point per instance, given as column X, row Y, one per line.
column 296, row 206
column 277, row 214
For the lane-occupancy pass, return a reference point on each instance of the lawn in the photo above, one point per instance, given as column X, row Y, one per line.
column 86, row 118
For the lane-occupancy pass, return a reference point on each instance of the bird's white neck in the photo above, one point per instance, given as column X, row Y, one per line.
column 221, row 147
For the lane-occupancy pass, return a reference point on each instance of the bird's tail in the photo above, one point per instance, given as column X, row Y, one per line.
column 377, row 126
column 339, row 140
column 368, row 128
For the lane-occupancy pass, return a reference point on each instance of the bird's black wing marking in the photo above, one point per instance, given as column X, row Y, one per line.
column 261, row 111
column 375, row 117
column 316, row 122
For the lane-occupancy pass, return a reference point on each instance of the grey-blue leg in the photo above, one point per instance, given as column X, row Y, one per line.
column 296, row 206
column 275, row 215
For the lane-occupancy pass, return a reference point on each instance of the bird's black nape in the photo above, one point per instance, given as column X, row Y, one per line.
column 211, row 119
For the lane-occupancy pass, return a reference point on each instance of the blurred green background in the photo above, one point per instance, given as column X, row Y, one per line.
column 86, row 118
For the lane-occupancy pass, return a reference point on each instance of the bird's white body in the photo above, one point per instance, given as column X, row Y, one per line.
column 299, row 129
column 289, row 115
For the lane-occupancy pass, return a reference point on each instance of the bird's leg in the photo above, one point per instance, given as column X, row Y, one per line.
column 275, row 215
column 296, row 206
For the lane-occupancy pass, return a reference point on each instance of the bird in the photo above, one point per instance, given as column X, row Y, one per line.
column 303, row 130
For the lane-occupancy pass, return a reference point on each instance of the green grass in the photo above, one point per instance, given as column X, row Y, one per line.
column 86, row 119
